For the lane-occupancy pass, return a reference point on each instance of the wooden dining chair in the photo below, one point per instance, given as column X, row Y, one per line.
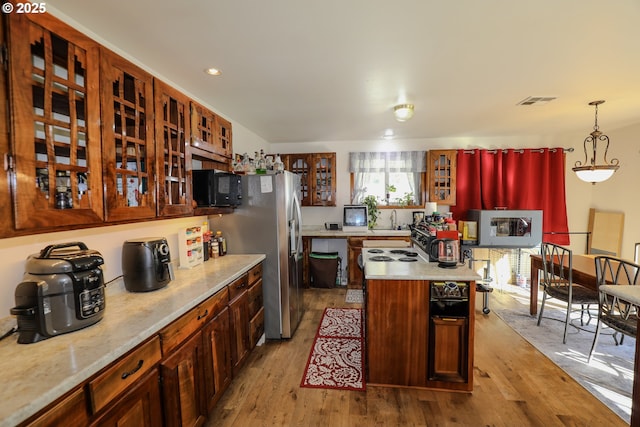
column 617, row 314
column 557, row 282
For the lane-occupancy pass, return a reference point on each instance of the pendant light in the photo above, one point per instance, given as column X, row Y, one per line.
column 590, row 170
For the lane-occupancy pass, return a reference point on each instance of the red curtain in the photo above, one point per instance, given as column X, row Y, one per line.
column 515, row 179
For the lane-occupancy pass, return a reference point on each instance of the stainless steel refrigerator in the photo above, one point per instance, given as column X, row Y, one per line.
column 269, row 221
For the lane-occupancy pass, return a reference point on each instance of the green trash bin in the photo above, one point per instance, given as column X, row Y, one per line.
column 325, row 268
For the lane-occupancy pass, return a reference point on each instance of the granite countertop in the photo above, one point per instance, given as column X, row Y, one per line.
column 34, row 375
column 320, row 231
column 419, row 270
column 630, row 293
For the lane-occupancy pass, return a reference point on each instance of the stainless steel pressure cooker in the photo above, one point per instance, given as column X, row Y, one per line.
column 62, row 291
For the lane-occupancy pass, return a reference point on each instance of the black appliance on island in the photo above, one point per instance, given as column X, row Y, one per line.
column 62, row 291
column 146, row 264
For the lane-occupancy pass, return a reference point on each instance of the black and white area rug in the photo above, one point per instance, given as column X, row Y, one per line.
column 354, row 296
column 609, row 376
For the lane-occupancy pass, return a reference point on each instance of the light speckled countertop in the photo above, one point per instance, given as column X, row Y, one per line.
column 320, row 231
column 421, row 270
column 34, row 375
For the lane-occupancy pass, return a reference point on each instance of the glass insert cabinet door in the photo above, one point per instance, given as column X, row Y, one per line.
column 55, row 124
column 127, row 138
column 173, row 129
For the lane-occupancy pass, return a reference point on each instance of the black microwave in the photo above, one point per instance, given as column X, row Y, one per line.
column 215, row 188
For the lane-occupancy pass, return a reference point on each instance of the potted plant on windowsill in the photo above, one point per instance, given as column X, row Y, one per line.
column 372, row 207
column 406, row 200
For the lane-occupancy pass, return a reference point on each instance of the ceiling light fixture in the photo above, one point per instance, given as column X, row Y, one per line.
column 592, row 171
column 213, row 71
column 388, row 134
column 403, row 112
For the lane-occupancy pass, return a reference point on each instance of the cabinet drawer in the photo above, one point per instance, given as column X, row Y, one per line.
column 237, row 287
column 255, row 273
column 256, row 327
column 174, row 334
column 123, row 374
column 255, row 298
column 70, row 411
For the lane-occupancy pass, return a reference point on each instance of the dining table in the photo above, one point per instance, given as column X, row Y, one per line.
column 583, row 271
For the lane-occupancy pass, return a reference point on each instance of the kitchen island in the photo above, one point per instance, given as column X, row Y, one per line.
column 35, row 375
column 419, row 321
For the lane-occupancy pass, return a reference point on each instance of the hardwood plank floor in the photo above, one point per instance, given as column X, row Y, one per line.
column 514, row 385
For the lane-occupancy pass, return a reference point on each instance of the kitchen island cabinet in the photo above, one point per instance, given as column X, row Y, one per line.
column 414, row 337
column 47, row 374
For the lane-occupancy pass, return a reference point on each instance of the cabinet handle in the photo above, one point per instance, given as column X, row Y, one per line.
column 202, row 316
column 449, row 319
column 133, row 371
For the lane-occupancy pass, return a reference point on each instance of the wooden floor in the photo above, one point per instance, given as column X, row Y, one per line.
column 514, row 385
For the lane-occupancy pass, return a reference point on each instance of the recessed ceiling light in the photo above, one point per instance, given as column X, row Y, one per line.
column 213, row 71
column 388, row 134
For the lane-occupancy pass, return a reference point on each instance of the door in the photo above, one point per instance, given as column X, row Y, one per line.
column 295, row 256
column 128, row 142
column 55, row 124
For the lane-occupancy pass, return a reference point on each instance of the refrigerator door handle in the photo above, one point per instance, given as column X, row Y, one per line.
column 295, row 227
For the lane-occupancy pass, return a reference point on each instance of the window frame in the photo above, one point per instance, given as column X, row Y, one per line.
column 423, row 191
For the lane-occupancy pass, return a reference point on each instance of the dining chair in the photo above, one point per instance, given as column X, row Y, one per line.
column 619, row 315
column 557, row 282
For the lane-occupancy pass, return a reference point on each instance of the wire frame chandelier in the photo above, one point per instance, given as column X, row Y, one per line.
column 590, row 170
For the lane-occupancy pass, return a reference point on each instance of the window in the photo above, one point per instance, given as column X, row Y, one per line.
column 394, row 178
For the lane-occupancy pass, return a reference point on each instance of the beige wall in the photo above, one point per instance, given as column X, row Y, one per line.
column 616, row 194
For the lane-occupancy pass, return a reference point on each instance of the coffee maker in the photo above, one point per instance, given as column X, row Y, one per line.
column 146, row 264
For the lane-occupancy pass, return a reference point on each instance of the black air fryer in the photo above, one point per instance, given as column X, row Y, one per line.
column 146, row 264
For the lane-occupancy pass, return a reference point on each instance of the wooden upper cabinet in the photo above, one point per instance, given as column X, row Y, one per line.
column 126, row 93
column 317, row 172
column 441, row 167
column 211, row 138
column 299, row 164
column 173, row 131
column 55, row 117
column 323, row 179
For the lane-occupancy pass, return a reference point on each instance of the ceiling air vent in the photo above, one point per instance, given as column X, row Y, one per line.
column 536, row 100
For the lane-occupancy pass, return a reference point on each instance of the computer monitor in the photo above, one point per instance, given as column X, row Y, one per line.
column 355, row 218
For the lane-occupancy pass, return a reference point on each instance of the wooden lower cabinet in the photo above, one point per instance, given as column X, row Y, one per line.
column 408, row 345
column 140, row 406
column 176, row 377
column 182, row 385
column 71, row 410
column 239, row 314
column 217, row 360
column 396, row 332
column 450, row 350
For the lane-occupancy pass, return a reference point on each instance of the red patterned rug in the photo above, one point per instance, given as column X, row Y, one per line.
column 336, row 356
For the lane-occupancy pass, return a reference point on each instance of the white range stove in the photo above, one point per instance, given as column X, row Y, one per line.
column 393, row 255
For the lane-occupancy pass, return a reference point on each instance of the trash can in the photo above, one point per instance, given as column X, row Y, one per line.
column 324, row 267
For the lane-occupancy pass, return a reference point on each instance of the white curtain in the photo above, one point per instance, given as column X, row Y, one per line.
column 411, row 162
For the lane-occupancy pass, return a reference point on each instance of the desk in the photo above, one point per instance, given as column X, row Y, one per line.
column 631, row 294
column 583, row 273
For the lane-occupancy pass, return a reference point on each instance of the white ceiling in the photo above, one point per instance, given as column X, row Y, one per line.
column 302, row 70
